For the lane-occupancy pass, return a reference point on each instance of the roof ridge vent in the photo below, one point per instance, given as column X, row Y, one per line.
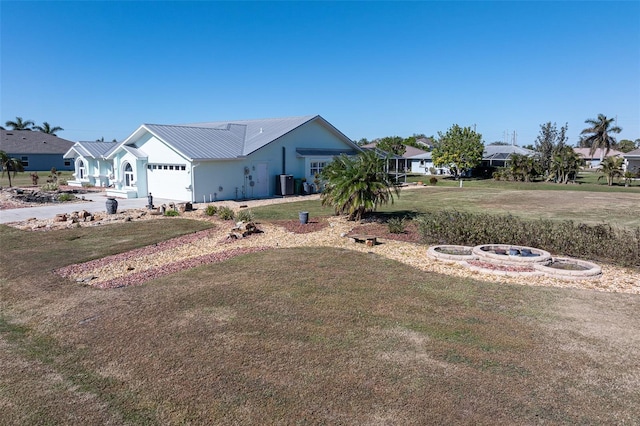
column 260, row 129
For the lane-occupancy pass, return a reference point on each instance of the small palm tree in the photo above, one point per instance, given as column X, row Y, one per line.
column 611, row 167
column 356, row 185
column 565, row 165
column 19, row 124
column 10, row 164
column 46, row 128
column 598, row 134
column 628, row 177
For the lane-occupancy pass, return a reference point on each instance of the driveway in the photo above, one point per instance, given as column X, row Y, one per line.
column 95, row 202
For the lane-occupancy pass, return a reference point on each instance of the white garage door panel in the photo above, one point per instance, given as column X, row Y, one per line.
column 171, row 184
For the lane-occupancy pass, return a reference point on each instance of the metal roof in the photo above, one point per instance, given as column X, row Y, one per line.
column 32, row 142
column 309, row 152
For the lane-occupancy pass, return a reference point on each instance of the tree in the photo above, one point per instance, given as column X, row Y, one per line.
column 611, row 168
column 626, row 145
column 548, row 143
column 10, row 164
column 460, row 149
column 392, row 145
column 565, row 164
column 597, row 136
column 523, row 167
column 356, row 185
column 499, row 143
column 46, row 128
column 19, row 124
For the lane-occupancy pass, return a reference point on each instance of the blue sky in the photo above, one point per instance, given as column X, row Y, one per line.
column 373, row 69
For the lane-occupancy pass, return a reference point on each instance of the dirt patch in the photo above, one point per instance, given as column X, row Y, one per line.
column 302, row 228
column 381, row 230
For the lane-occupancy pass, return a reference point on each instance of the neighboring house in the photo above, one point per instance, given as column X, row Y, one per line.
column 632, row 161
column 36, row 150
column 90, row 164
column 592, row 161
column 423, row 163
column 499, row 155
column 223, row 160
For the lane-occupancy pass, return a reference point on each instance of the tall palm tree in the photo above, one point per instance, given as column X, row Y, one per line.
column 598, row 134
column 19, row 124
column 357, row 185
column 46, row 128
column 611, row 167
column 10, row 164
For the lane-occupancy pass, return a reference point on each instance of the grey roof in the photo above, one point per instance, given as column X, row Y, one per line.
column 634, row 153
column 91, row 149
column 229, row 139
column 503, row 152
column 32, row 142
column 423, row 156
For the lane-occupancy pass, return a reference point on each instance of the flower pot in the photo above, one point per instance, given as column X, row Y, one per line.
column 112, row 205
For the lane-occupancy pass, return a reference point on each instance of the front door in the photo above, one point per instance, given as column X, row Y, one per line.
column 261, row 181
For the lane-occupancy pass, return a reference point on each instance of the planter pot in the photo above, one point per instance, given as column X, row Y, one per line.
column 112, row 205
column 304, row 217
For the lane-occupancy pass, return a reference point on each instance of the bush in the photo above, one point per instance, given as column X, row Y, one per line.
column 433, row 180
column 225, row 213
column 396, row 225
column 211, row 210
column 245, row 216
column 590, row 242
column 65, row 197
column 50, row 186
column 171, row 213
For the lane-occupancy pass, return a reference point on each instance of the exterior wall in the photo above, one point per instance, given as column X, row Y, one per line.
column 44, row 162
column 633, row 165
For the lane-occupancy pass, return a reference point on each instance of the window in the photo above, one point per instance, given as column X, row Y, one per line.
column 25, row 161
column 128, row 175
column 317, row 166
column 67, row 163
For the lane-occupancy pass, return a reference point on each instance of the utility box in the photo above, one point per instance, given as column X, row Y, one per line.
column 284, row 185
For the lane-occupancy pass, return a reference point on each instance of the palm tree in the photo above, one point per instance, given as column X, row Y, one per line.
column 565, row 165
column 9, row 165
column 46, row 128
column 19, row 124
column 598, row 134
column 356, row 185
column 611, row 167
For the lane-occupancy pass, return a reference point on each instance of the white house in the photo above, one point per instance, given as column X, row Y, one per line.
column 90, row 165
column 632, row 161
column 211, row 161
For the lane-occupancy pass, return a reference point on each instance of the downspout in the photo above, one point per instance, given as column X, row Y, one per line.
column 193, row 182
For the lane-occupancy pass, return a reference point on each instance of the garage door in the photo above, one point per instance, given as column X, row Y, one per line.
column 169, row 181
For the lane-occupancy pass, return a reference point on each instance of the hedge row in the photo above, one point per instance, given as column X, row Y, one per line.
column 603, row 243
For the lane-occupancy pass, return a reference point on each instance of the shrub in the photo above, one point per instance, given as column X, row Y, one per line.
column 245, row 216
column 225, row 213
column 211, row 210
column 65, row 197
column 171, row 213
column 396, row 225
column 49, row 186
column 433, row 180
column 619, row 246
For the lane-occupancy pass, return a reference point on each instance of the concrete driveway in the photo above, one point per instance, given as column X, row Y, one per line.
column 95, row 202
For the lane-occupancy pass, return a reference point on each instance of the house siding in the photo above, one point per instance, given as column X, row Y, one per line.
column 43, row 162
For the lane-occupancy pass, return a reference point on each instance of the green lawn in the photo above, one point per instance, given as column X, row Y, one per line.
column 24, row 178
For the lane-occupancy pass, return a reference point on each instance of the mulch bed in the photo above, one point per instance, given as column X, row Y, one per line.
column 381, row 230
column 298, row 228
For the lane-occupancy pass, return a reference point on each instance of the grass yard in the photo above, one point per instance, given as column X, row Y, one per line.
column 23, row 179
column 616, row 208
column 302, row 336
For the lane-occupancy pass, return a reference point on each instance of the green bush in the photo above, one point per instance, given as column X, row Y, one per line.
column 211, row 210
column 618, row 246
column 433, row 180
column 171, row 213
column 50, row 186
column 396, row 225
column 225, row 213
column 65, row 197
column 245, row 216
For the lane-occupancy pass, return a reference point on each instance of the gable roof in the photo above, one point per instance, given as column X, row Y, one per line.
column 226, row 139
column 32, row 142
column 504, row 152
column 91, row 149
column 409, row 151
